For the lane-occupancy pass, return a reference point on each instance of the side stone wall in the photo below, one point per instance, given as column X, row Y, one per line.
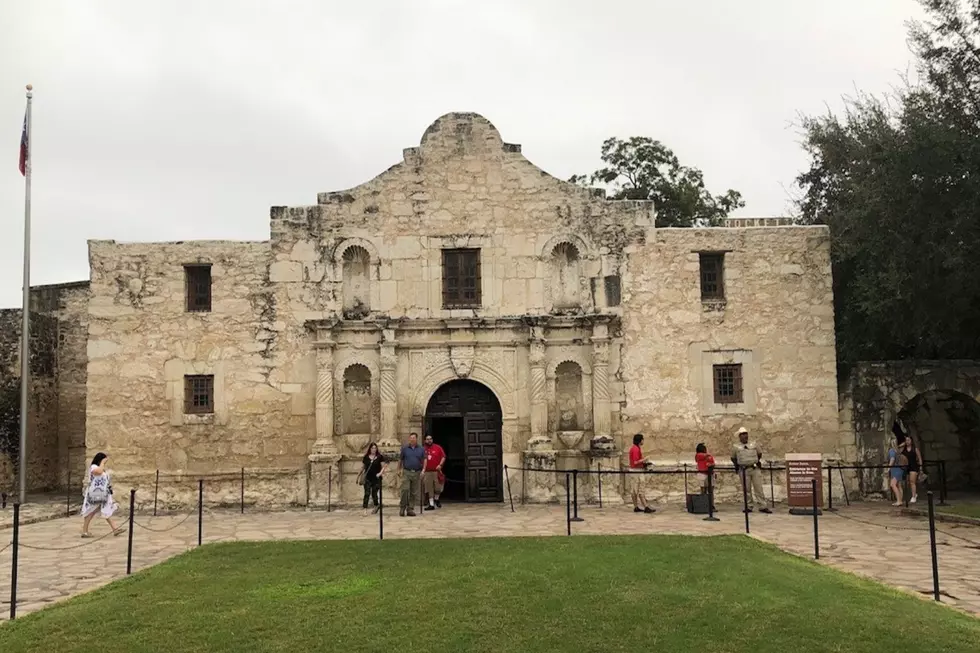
column 56, row 408
column 777, row 321
column 142, row 341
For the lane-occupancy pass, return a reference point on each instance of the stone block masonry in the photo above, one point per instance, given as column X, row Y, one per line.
column 463, row 291
column 56, row 401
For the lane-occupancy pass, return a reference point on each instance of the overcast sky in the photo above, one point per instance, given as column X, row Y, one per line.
column 185, row 120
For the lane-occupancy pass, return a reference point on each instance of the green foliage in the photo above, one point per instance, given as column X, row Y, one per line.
column 641, row 168
column 897, row 179
column 582, row 593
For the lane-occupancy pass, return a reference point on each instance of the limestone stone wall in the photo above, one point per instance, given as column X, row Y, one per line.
column 142, row 341
column 590, row 327
column 776, row 320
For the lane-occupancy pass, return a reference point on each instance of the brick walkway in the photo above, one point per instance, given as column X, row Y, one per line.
column 867, row 539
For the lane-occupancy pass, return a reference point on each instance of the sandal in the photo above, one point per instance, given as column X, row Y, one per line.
column 86, row 535
column 118, row 531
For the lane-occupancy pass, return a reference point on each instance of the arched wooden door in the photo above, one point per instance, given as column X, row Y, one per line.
column 464, row 417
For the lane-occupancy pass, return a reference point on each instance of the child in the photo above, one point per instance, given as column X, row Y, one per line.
column 706, row 466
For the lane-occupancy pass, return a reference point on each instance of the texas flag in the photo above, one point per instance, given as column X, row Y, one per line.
column 23, row 148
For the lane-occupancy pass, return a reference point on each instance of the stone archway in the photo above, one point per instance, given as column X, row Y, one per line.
column 876, row 393
column 946, row 425
column 465, row 418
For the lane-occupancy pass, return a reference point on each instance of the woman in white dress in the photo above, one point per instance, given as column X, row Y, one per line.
column 97, row 497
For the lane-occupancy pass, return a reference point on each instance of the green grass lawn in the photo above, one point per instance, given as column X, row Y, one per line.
column 961, row 509
column 582, row 594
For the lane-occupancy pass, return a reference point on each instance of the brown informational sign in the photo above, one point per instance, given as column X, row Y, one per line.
column 801, row 470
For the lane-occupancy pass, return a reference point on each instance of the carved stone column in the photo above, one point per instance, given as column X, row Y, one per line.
column 324, row 444
column 388, row 384
column 540, row 439
column 602, row 436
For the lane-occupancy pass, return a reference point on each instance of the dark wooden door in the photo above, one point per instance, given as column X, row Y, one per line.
column 482, row 433
column 481, row 415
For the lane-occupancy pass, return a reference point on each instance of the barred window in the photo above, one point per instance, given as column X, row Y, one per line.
column 461, row 286
column 198, row 281
column 199, row 394
column 728, row 384
column 712, row 276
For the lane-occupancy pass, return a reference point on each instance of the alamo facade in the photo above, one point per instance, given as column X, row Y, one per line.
column 520, row 319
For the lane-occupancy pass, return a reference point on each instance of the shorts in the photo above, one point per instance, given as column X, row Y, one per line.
column 703, row 479
column 431, row 484
column 634, row 481
column 897, row 473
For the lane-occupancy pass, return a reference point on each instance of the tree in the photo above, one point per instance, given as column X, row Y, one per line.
column 897, row 179
column 641, row 168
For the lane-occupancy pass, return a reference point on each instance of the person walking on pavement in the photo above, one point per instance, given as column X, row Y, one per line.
column 410, row 462
column 432, row 478
column 748, row 465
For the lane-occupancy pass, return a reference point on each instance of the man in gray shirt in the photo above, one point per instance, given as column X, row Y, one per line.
column 410, row 463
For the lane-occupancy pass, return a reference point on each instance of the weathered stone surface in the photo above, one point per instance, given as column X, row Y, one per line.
column 56, row 418
column 332, row 334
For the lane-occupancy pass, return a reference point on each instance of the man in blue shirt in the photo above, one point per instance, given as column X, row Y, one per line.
column 410, row 463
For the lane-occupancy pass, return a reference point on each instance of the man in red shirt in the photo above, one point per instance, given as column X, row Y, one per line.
column 432, row 477
column 634, row 475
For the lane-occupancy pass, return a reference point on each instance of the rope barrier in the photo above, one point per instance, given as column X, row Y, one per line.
column 921, row 529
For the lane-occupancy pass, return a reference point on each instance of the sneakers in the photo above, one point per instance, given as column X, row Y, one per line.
column 637, row 509
column 438, row 503
column 411, row 513
column 649, row 510
column 430, row 507
column 765, row 510
column 401, row 512
column 913, row 499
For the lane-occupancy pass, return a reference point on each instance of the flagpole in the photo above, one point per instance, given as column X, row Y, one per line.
column 25, row 335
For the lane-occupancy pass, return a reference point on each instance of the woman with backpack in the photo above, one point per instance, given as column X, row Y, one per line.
column 97, row 497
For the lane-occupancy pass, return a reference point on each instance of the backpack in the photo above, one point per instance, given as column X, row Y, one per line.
column 98, row 489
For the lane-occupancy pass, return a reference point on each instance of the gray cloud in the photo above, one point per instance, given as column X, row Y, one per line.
column 187, row 120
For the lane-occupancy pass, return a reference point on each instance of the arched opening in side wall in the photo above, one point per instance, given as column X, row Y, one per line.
column 946, row 426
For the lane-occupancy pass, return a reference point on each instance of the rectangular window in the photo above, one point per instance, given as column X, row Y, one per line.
column 712, row 276
column 198, row 281
column 199, row 394
column 461, row 286
column 612, row 284
column 728, row 384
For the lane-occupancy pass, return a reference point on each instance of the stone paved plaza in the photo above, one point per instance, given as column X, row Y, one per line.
column 867, row 539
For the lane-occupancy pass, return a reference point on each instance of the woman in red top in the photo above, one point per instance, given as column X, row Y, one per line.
column 634, row 475
column 706, row 467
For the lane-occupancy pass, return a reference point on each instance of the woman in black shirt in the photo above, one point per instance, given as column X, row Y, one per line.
column 373, row 468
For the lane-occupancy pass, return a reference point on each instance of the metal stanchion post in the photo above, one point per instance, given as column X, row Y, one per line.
column 772, row 487
column 129, row 546
column 243, row 490
column 942, row 483
column 599, row 474
column 816, row 528
column 711, row 497
column 381, row 511
column 575, row 495
column 568, row 505
column 830, row 489
column 15, row 544
column 3, row 500
column 745, row 501
column 329, row 486
column 68, row 494
column 156, row 489
column 523, row 484
column 840, row 471
column 685, row 482
column 510, row 496
column 200, row 511
column 932, row 546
